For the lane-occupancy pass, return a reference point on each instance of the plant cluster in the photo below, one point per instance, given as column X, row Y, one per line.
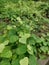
column 24, row 32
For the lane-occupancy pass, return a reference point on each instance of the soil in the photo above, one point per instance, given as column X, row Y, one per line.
column 43, row 62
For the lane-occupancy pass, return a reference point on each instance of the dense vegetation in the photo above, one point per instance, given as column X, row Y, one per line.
column 24, row 31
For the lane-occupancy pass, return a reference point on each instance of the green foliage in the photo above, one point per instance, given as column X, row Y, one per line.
column 15, row 62
column 5, row 62
column 24, row 31
column 21, row 49
column 32, row 60
column 24, row 61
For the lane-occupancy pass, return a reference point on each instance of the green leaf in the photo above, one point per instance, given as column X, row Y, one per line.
column 4, row 62
column 44, row 49
column 45, row 43
column 21, row 56
column 11, row 32
column 42, row 56
column 6, row 42
column 23, row 38
column 2, row 46
column 9, row 27
column 48, row 52
column 1, row 39
column 13, row 38
column 19, row 20
column 15, row 62
column 31, row 41
column 30, row 49
column 14, row 56
column 6, row 53
column 24, row 61
column 36, row 38
column 32, row 60
column 21, row 49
